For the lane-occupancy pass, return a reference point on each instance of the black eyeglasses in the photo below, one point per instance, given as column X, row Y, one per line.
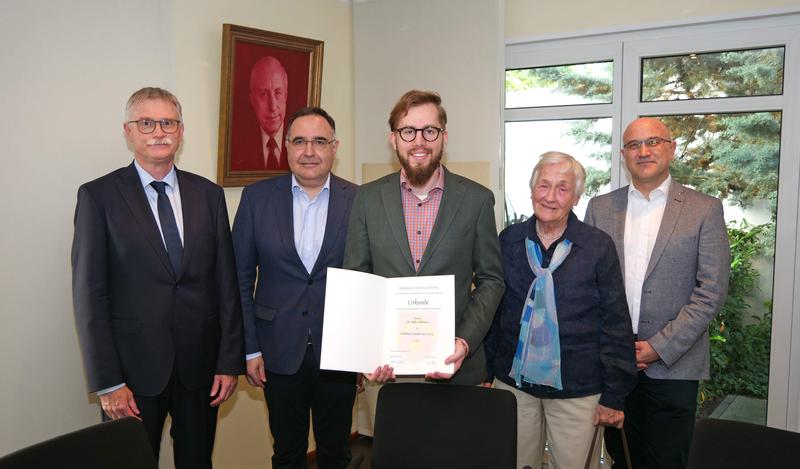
column 429, row 133
column 148, row 126
column 652, row 142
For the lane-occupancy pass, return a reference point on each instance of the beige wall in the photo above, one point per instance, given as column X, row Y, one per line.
column 198, row 44
column 527, row 18
column 68, row 68
column 243, row 436
column 454, row 48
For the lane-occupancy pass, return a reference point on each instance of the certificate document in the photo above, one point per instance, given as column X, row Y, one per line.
column 407, row 323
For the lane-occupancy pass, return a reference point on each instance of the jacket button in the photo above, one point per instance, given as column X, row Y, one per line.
column 311, row 281
column 177, row 286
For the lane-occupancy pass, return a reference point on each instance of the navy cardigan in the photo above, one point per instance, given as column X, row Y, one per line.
column 597, row 345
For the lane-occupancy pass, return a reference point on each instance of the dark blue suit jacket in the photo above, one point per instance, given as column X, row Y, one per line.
column 288, row 301
column 135, row 317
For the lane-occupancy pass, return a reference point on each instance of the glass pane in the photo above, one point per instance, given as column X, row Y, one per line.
column 755, row 72
column 588, row 140
column 562, row 85
column 735, row 157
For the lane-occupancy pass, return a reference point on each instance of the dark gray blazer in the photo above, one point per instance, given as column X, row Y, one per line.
column 463, row 242
column 686, row 279
column 135, row 316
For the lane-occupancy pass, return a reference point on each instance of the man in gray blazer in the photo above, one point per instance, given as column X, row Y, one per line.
column 425, row 220
column 674, row 249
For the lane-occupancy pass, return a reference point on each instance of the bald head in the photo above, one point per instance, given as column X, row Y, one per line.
column 650, row 125
column 648, row 162
column 268, row 92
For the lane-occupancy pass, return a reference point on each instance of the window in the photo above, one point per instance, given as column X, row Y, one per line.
column 728, row 91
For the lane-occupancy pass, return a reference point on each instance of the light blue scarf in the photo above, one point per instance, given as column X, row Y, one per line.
column 538, row 356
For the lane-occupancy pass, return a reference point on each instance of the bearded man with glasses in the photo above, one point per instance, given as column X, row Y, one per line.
column 426, row 220
column 154, row 287
column 673, row 248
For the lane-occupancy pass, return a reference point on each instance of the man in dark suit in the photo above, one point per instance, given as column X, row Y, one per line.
column 154, row 287
column 269, row 88
column 287, row 232
column 425, row 220
column 674, row 250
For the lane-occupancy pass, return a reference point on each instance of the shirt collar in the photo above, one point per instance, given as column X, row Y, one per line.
column 662, row 189
column 296, row 187
column 278, row 137
column 171, row 178
column 438, row 175
column 576, row 230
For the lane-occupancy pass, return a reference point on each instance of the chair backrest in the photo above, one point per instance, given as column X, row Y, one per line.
column 118, row 444
column 420, row 425
column 732, row 445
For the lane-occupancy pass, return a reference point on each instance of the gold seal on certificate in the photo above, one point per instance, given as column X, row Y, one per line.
column 407, row 322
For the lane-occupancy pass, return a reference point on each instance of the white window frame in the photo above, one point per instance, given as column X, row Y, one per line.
column 626, row 49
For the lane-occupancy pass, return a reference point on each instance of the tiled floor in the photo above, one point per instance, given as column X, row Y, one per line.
column 742, row 409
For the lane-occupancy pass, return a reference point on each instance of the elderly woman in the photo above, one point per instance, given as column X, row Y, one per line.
column 561, row 340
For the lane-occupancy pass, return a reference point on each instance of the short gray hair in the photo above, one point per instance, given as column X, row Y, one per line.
column 150, row 93
column 558, row 158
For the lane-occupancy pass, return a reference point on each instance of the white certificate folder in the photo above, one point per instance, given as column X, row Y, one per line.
column 405, row 322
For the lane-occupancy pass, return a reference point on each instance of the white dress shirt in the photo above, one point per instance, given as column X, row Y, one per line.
column 642, row 222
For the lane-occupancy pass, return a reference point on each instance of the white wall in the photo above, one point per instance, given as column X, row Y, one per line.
column 526, row 18
column 67, row 70
column 450, row 46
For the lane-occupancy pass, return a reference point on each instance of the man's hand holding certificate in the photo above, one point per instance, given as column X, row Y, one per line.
column 403, row 326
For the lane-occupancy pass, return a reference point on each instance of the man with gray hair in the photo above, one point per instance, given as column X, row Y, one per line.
column 561, row 341
column 673, row 246
column 156, row 301
column 269, row 89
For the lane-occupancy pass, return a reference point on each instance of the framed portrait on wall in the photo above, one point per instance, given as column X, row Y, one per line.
column 266, row 77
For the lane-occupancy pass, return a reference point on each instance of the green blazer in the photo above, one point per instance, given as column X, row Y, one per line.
column 463, row 243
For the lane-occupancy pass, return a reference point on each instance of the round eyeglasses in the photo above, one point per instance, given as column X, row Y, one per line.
column 429, row 133
column 148, row 126
column 652, row 142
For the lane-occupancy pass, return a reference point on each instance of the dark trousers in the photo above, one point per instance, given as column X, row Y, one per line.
column 329, row 396
column 659, row 423
column 194, row 422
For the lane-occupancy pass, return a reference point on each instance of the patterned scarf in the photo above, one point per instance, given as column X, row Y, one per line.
column 538, row 356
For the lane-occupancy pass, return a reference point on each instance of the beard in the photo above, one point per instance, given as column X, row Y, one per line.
column 418, row 176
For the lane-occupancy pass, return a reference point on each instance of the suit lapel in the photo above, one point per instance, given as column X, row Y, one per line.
column 284, row 219
column 672, row 212
column 451, row 201
column 618, row 212
column 393, row 206
column 130, row 187
column 191, row 206
column 337, row 208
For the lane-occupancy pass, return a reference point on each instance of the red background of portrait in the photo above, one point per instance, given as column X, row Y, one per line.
column 245, row 132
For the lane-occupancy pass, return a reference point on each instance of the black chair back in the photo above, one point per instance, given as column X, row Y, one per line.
column 718, row 444
column 117, row 444
column 420, row 426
